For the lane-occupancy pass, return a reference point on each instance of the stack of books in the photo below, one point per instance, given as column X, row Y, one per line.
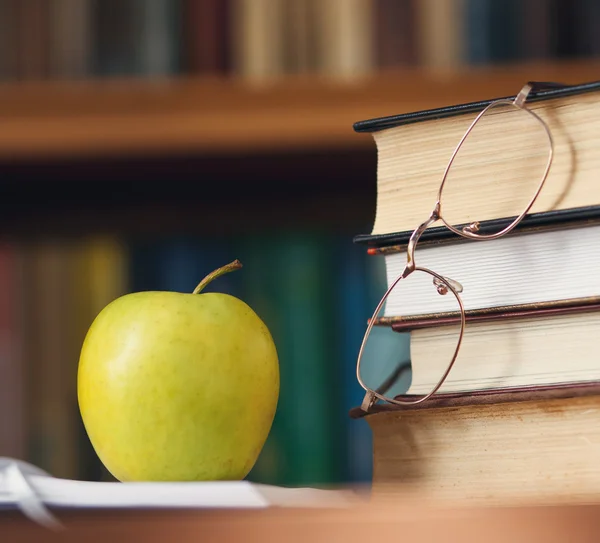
column 518, row 416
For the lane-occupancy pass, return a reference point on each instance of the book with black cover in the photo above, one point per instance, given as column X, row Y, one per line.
column 541, row 91
column 533, row 221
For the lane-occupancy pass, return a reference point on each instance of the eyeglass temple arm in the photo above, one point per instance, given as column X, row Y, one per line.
column 394, row 376
column 534, row 87
column 537, row 86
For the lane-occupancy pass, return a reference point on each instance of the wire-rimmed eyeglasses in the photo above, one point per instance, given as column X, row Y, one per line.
column 444, row 285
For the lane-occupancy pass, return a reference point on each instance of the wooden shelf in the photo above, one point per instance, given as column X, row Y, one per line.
column 221, row 116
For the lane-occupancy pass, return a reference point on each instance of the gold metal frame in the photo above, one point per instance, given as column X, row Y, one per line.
column 445, row 285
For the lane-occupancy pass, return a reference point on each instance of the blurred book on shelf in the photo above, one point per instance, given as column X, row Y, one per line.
column 57, row 288
column 261, row 39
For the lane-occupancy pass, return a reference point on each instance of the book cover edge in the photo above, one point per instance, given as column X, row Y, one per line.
column 391, row 121
column 498, row 396
column 553, row 218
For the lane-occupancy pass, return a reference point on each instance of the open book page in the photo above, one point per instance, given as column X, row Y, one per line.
column 32, row 490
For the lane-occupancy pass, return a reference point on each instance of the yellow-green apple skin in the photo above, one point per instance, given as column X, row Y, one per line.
column 178, row 387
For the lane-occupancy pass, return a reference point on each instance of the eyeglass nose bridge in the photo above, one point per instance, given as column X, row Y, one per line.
column 414, row 238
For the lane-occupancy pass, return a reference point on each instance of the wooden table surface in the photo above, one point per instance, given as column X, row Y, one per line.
column 373, row 523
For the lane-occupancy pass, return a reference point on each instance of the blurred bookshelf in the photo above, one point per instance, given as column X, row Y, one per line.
column 144, row 143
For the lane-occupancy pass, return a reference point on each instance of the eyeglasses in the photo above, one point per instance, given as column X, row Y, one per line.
column 501, row 128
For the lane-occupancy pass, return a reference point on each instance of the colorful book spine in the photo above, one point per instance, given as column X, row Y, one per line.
column 355, row 305
column 13, row 429
column 288, row 282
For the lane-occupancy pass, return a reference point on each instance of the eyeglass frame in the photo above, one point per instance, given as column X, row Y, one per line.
column 445, row 284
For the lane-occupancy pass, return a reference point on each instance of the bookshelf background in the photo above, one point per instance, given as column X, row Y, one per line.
column 144, row 143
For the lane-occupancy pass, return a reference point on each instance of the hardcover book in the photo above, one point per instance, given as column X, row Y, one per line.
column 528, row 445
column 414, row 150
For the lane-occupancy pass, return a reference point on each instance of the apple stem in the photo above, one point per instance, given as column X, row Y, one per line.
column 232, row 266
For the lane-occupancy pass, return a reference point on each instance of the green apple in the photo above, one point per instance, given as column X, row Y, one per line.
column 178, row 386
